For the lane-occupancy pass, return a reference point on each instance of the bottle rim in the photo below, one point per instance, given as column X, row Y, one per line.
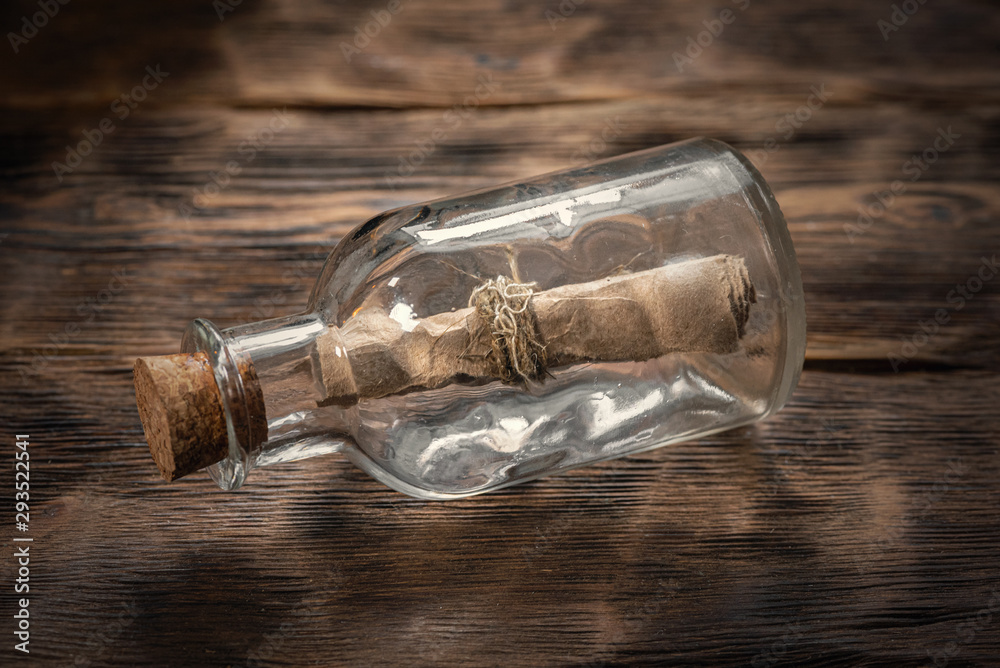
column 203, row 336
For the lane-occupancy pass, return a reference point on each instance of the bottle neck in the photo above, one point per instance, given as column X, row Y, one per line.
column 272, row 413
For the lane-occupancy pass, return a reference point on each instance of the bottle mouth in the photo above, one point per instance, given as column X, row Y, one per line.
column 240, row 394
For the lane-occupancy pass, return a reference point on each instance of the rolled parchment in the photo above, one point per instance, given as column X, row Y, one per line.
column 686, row 307
column 510, row 332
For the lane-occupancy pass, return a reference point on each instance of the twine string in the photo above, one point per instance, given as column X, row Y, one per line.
column 504, row 307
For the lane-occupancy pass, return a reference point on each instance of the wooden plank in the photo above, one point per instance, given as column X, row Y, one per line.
column 869, row 286
column 860, row 524
column 292, row 52
column 857, row 526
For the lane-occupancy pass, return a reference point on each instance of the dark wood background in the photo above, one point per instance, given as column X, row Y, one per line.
column 860, row 526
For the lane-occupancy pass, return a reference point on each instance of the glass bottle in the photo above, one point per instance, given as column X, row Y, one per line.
column 621, row 218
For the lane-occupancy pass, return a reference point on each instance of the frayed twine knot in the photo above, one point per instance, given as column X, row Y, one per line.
column 515, row 351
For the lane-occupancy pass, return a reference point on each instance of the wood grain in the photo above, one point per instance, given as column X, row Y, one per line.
column 866, row 286
column 859, row 526
column 268, row 52
column 861, row 522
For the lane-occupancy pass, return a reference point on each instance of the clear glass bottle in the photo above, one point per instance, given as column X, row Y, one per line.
column 633, row 213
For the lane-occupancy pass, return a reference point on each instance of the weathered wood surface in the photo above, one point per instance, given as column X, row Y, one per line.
column 267, row 52
column 861, row 525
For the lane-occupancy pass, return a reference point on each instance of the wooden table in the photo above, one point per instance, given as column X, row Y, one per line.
column 861, row 525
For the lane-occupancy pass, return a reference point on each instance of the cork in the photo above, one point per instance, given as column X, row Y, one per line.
column 182, row 414
column 693, row 306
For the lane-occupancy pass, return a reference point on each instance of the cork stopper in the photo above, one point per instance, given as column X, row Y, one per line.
column 181, row 412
